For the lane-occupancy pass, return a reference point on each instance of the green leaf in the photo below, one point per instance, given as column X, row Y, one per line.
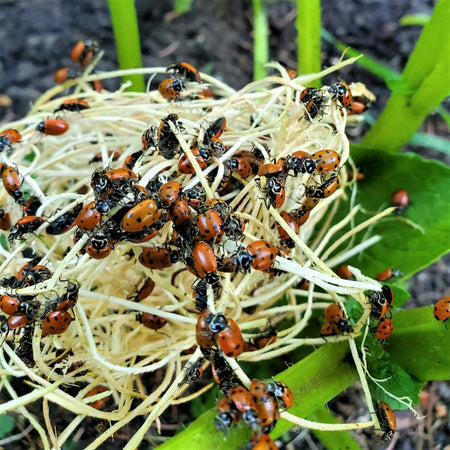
column 336, row 440
column 420, row 236
column 6, row 425
column 314, row 381
column 415, row 19
column 419, row 344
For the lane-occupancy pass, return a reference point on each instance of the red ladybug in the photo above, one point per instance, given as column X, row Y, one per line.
column 388, row 274
column 227, row 414
column 65, row 222
column 275, row 191
column 141, row 216
column 151, row 321
column 8, row 137
column 185, row 166
column 203, row 333
column 11, row 182
column 356, row 107
column 187, row 71
column 384, row 329
column 88, row 218
column 179, row 212
column 100, row 403
column 324, row 190
column 341, row 93
column 329, row 329
column 266, row 405
column 113, row 155
column 195, row 197
column 52, row 127
column 15, row 322
column 145, row 291
column 155, row 258
column 263, row 442
column 400, row 199
column 344, row 272
column 9, row 305
column 69, row 299
column 204, row 259
column 271, row 170
column 300, row 162
column 240, row 166
column 282, row 393
column 335, row 315
column 230, row 339
column 99, row 247
column 74, row 105
column 171, row 88
column 5, row 220
column 284, row 236
column 441, row 310
column 63, row 74
column 56, row 322
column 83, row 52
column 381, row 302
column 25, row 225
column 209, row 225
column 308, row 94
column 131, row 160
column 242, row 398
column 120, row 174
column 314, row 107
column 169, row 192
column 215, row 130
column 326, row 160
column 263, row 253
column 387, row 420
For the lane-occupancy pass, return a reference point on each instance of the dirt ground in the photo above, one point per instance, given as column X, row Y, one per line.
column 216, row 37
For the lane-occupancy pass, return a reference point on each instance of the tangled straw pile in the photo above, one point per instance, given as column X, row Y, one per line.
column 106, row 345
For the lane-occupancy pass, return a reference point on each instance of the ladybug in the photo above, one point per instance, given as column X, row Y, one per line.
column 169, row 192
column 263, row 253
column 384, row 329
column 186, row 70
column 5, row 220
column 209, row 225
column 276, row 192
column 387, row 420
column 219, row 205
column 344, row 272
column 145, row 291
column 282, row 393
column 271, row 170
column 400, row 199
column 99, row 247
column 88, row 218
column 292, row 224
column 233, row 226
column 227, row 414
column 314, row 107
column 203, row 334
column 15, row 322
column 9, row 305
column 240, row 166
column 11, row 182
column 326, row 160
column 300, row 162
column 308, row 204
column 388, row 274
column 63, row 74
column 263, row 442
column 185, row 166
column 179, row 212
column 151, row 321
column 242, row 398
column 68, row 300
column 74, row 105
column 112, row 155
column 52, row 127
column 171, row 88
column 118, row 175
column 83, row 51
column 341, row 93
column 8, row 137
column 168, row 144
column 308, row 94
column 300, row 216
column 141, row 216
column 324, row 190
column 381, row 302
column 356, row 108
column 195, row 197
column 65, row 222
column 101, row 402
column 204, row 259
column 155, row 257
column 215, row 130
column 441, row 310
column 242, row 260
column 27, row 224
column 266, row 405
column 230, row 339
column 335, row 316
column 56, row 322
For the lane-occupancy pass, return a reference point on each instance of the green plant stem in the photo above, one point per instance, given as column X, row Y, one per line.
column 260, row 40
column 422, row 87
column 308, row 24
column 126, row 33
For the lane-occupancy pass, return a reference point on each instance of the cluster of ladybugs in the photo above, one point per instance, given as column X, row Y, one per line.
column 22, row 310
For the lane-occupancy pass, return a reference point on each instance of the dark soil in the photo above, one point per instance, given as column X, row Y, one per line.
column 216, row 37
